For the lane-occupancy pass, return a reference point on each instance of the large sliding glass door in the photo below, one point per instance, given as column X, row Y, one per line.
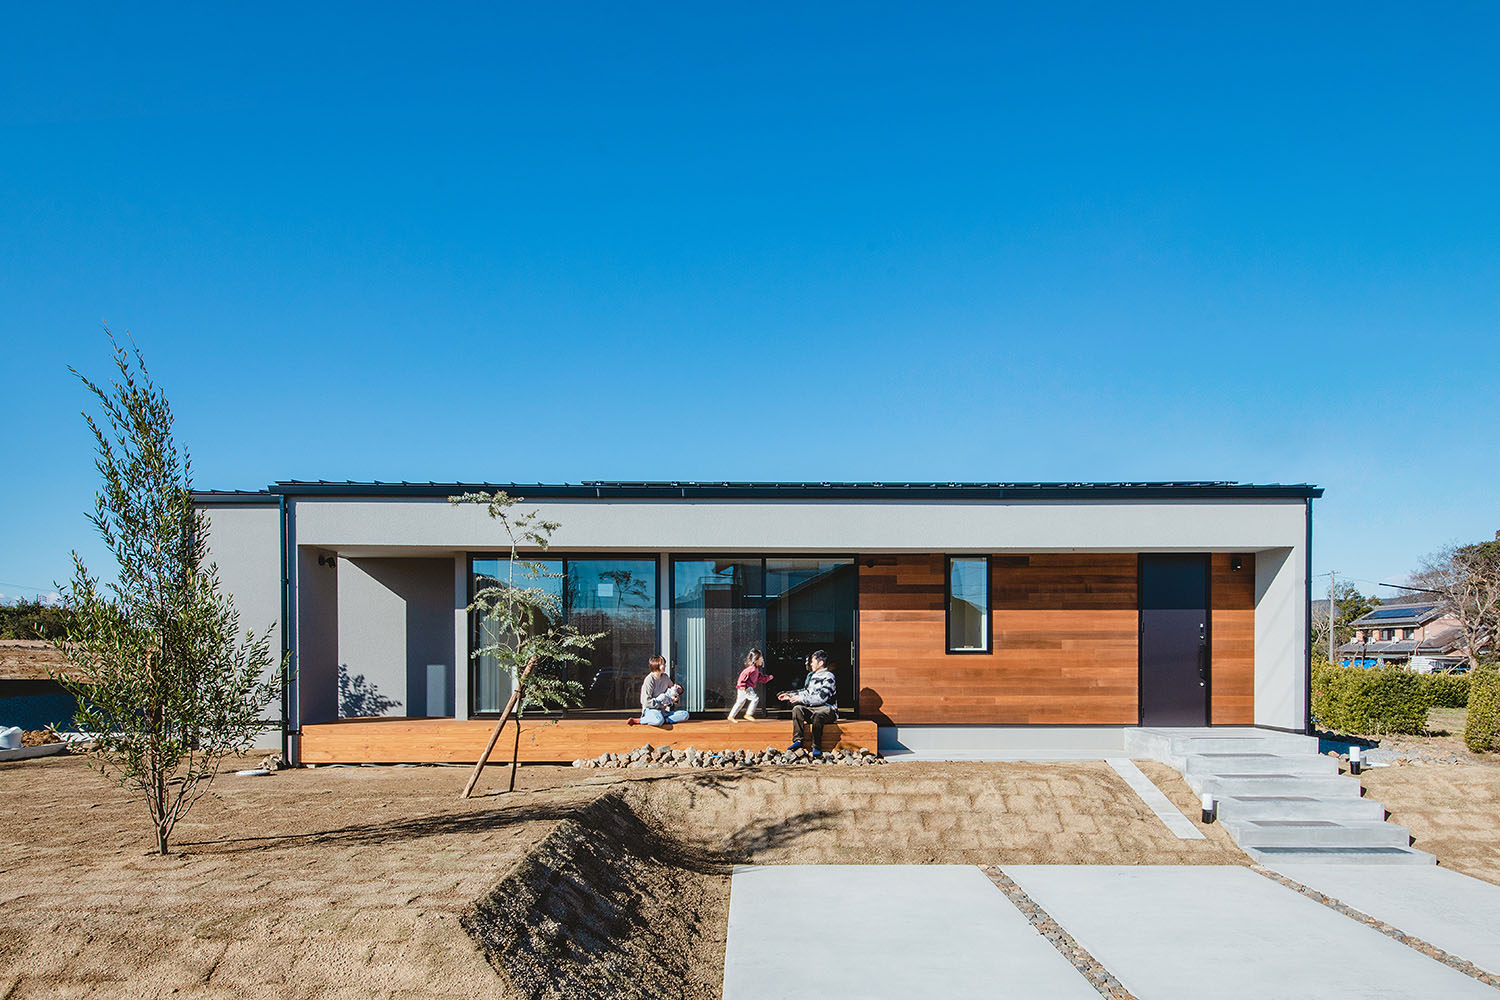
column 718, row 613
column 613, row 595
column 788, row 607
column 810, row 605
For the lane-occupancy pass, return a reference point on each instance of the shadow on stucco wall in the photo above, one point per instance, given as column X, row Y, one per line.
column 358, row 697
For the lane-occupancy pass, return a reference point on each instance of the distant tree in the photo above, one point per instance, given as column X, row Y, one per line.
column 1466, row 579
column 522, row 622
column 167, row 683
column 33, row 619
column 1349, row 604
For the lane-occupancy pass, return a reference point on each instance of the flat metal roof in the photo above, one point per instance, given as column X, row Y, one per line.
column 663, row 490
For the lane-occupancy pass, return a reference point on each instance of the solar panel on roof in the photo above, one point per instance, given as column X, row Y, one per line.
column 1401, row 611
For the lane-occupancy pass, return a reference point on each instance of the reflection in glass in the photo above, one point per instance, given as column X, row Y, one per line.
column 492, row 685
column 718, row 613
column 810, row 605
column 968, row 605
column 617, row 597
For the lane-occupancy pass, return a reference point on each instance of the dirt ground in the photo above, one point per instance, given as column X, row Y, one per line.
column 351, row 882
column 1452, row 811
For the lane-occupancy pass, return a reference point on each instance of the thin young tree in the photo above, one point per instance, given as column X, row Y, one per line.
column 1466, row 578
column 167, row 683
column 521, row 626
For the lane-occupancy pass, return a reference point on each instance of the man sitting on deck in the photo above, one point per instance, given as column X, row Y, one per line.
column 814, row 706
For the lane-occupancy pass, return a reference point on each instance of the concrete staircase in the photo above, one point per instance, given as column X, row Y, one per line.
column 1280, row 800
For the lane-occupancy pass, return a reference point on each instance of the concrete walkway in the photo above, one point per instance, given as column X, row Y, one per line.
column 1225, row 932
column 878, row 931
column 1458, row 914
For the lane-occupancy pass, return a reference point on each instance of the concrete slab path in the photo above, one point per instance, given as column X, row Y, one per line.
column 1189, row 932
column 1458, row 914
column 878, row 931
column 1155, row 799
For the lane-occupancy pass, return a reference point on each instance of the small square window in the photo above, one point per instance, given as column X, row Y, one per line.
column 968, row 608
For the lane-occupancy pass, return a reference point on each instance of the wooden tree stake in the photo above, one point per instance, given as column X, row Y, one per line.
column 495, row 736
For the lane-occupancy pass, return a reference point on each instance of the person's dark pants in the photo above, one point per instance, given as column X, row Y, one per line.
column 814, row 718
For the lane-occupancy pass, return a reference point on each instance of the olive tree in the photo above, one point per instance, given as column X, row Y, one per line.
column 168, row 684
column 521, row 626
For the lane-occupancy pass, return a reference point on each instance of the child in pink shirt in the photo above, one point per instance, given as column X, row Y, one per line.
column 745, row 686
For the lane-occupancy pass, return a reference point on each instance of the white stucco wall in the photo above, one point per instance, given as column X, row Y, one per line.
column 1281, row 636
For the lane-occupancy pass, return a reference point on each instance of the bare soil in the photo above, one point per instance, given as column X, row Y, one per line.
column 359, row 882
column 1451, row 811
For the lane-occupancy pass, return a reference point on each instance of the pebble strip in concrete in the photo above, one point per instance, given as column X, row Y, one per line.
column 1415, row 943
column 1089, row 966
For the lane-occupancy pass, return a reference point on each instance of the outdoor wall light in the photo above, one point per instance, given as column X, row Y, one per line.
column 1236, row 563
column 1210, row 808
column 327, row 560
column 1356, row 760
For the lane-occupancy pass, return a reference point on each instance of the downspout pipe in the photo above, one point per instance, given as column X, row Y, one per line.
column 286, row 643
column 1307, row 625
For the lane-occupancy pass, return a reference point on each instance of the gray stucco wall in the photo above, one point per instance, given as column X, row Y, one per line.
column 245, row 544
column 395, row 617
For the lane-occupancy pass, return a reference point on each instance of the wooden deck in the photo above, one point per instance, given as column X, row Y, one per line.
column 450, row 741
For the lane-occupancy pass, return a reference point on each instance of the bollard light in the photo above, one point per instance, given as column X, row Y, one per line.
column 1356, row 764
column 1210, row 808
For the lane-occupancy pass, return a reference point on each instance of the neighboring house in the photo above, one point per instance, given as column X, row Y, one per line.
column 1109, row 605
column 1417, row 634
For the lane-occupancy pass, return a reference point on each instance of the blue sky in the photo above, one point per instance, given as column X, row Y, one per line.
column 1075, row 242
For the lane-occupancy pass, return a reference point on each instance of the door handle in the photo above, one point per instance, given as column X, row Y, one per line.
column 1203, row 652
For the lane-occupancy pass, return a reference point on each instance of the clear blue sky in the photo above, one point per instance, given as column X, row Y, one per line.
column 696, row 241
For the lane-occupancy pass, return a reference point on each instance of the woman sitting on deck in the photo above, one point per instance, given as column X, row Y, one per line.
column 658, row 696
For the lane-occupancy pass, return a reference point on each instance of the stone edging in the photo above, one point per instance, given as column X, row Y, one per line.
column 1415, row 943
column 1090, row 967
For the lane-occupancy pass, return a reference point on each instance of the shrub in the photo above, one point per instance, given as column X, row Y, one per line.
column 1446, row 690
column 1482, row 728
column 1370, row 702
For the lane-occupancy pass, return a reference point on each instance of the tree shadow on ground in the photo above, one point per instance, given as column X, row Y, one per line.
column 394, row 831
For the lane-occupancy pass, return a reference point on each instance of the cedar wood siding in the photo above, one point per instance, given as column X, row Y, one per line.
column 1232, row 641
column 1065, row 642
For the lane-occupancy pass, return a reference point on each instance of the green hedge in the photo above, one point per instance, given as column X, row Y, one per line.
column 1482, row 728
column 1369, row 702
column 1446, row 690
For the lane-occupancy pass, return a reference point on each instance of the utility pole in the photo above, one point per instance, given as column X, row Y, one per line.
column 1332, row 618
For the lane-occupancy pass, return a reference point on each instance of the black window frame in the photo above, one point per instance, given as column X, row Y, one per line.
column 562, row 557
column 989, row 607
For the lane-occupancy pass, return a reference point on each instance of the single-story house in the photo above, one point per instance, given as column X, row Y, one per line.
column 1028, row 605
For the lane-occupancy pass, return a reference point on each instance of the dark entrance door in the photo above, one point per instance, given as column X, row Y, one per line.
column 1174, row 640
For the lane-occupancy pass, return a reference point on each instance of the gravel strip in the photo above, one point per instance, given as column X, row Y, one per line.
column 1415, row 943
column 1091, row 968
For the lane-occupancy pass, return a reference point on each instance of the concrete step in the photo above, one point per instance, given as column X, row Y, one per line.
column 1259, row 763
column 1342, row 807
column 1340, row 856
column 1288, row 743
column 1316, row 833
column 1222, row 786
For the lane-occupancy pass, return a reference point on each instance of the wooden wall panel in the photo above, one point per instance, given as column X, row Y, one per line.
column 1232, row 640
column 1064, row 652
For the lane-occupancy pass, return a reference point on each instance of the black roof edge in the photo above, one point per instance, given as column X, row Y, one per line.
column 803, row 491
column 235, row 498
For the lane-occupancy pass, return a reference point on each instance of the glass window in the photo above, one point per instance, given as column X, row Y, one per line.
column 615, row 596
column 969, row 604
column 810, row 605
column 718, row 613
